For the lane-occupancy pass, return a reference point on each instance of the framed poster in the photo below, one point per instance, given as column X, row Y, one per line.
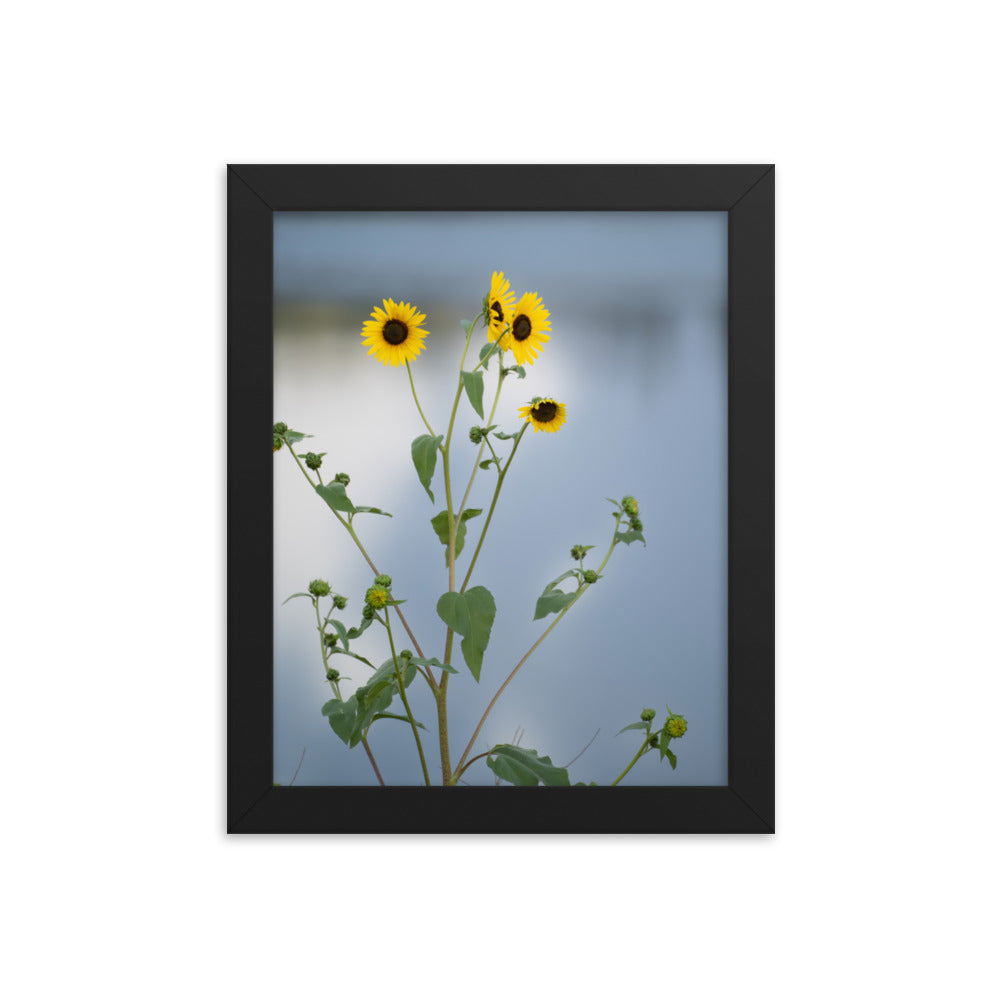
column 462, row 366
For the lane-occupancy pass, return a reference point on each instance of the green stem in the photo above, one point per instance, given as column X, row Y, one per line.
column 631, row 764
column 357, row 541
column 489, row 516
column 406, row 703
column 468, row 764
column 441, row 693
column 335, row 687
column 538, row 642
column 413, row 389
column 486, row 441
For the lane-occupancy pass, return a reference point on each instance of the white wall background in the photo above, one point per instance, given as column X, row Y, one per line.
column 119, row 119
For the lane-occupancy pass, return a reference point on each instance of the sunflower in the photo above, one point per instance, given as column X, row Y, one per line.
column 529, row 318
column 393, row 334
column 545, row 414
column 499, row 305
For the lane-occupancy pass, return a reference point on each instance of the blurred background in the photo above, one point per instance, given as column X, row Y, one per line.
column 638, row 355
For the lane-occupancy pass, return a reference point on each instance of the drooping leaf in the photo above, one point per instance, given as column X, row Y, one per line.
column 336, row 497
column 356, row 630
column 672, row 758
column 471, row 615
column 505, row 437
column 293, row 437
column 484, row 352
column 424, row 450
column 482, row 465
column 439, row 522
column 355, row 656
column 392, row 715
column 287, row 599
column 371, row 510
column 628, row 537
column 516, row 368
column 473, row 382
column 634, row 725
column 553, row 601
column 434, row 662
column 466, row 324
column 525, row 767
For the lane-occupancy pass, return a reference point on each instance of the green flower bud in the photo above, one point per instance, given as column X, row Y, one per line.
column 319, row 588
column 676, row 726
column 578, row 551
column 630, row 506
column 329, row 639
column 654, row 740
column 280, row 428
column 368, row 612
column 339, row 602
column 383, row 581
column 635, row 524
column 406, row 655
column 648, row 714
column 475, row 434
column 277, row 442
column 376, row 597
column 313, row 461
column 590, row 576
column 343, row 478
column 332, row 675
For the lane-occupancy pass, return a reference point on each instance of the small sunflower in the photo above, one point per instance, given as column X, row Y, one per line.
column 500, row 305
column 544, row 414
column 529, row 318
column 393, row 334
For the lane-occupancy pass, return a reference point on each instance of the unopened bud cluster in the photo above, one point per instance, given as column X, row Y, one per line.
column 313, row 461
column 590, row 576
column 319, row 588
column 578, row 551
column 343, row 478
column 475, row 434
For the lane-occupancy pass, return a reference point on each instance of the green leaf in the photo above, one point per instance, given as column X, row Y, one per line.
column 336, row 497
column 293, row 437
column 552, row 601
column 473, row 382
column 516, row 368
column 471, row 615
column 672, row 758
column 525, row 767
column 505, row 437
column 439, row 522
column 434, row 662
column 371, row 510
column 483, row 353
column 342, row 716
column 628, row 537
column 634, row 725
column 287, row 599
column 424, row 450
column 355, row 631
column 341, row 631
column 482, row 465
column 466, row 324
column 356, row 656
column 392, row 715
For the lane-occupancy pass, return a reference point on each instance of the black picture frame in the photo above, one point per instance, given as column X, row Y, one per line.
column 746, row 804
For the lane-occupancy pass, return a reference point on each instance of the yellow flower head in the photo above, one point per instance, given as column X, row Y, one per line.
column 544, row 414
column 529, row 318
column 393, row 334
column 499, row 303
column 377, row 597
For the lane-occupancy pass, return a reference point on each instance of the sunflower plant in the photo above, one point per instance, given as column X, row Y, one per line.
column 517, row 330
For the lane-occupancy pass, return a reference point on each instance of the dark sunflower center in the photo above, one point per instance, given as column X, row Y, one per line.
column 394, row 332
column 544, row 412
column 521, row 328
column 497, row 311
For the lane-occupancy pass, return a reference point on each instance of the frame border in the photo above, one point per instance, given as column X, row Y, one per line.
column 747, row 803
